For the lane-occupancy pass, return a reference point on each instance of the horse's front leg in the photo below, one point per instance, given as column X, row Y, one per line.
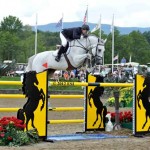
column 89, row 56
column 88, row 61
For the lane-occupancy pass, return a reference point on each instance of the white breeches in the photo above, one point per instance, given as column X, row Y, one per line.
column 63, row 40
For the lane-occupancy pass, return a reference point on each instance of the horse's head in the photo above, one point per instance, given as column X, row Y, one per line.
column 96, row 50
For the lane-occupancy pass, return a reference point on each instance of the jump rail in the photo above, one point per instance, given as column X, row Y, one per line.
column 49, row 109
column 65, row 121
column 51, row 96
column 73, row 84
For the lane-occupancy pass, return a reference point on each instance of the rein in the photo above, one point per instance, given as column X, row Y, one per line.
column 81, row 45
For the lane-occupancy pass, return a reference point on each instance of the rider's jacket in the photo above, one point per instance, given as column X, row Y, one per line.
column 72, row 33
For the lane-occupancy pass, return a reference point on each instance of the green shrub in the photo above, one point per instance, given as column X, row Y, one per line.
column 126, row 97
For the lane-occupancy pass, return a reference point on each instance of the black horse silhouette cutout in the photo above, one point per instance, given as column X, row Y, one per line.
column 144, row 95
column 100, row 108
column 34, row 95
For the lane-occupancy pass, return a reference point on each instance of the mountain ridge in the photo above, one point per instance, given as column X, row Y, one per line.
column 51, row 27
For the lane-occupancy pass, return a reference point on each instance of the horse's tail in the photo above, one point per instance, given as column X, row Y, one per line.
column 104, row 114
column 20, row 115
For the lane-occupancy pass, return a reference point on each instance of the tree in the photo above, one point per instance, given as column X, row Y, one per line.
column 147, row 36
column 140, row 47
column 11, row 24
column 9, row 30
column 8, row 46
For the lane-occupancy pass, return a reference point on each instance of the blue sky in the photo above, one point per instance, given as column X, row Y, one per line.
column 128, row 13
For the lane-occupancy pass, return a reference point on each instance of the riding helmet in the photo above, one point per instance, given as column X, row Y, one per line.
column 85, row 27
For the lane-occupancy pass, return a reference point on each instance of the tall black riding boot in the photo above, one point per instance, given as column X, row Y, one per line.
column 60, row 51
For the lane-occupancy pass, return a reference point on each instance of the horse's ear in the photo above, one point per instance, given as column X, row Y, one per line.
column 105, row 41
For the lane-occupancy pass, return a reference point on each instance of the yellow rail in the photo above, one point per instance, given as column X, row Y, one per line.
column 51, row 96
column 65, row 121
column 66, row 109
column 10, row 83
column 91, row 84
column 73, row 84
column 49, row 109
column 12, row 96
column 66, row 96
column 9, row 109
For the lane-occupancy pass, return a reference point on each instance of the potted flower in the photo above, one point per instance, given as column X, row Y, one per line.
column 12, row 132
column 124, row 117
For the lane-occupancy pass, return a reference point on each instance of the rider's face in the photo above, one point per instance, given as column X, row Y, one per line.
column 84, row 31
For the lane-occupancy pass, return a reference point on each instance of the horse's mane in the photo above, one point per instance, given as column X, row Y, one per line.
column 93, row 35
column 101, row 41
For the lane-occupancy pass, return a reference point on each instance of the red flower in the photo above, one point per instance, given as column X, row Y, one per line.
column 125, row 116
column 1, row 128
column 9, row 138
column 2, row 135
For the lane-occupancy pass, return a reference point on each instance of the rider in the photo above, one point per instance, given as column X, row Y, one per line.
column 69, row 35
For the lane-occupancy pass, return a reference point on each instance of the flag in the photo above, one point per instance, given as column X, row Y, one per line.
column 97, row 27
column 85, row 17
column 59, row 24
column 115, row 58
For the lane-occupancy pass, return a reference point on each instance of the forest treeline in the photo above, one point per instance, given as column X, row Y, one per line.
column 18, row 42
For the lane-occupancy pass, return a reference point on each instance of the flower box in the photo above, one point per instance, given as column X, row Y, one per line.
column 127, row 125
column 12, row 132
column 125, row 119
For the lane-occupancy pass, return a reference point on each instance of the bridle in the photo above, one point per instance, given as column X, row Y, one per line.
column 96, row 56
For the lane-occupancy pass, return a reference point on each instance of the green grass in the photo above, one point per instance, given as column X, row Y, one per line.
column 5, row 78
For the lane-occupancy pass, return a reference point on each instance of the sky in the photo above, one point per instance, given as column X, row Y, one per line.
column 127, row 13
